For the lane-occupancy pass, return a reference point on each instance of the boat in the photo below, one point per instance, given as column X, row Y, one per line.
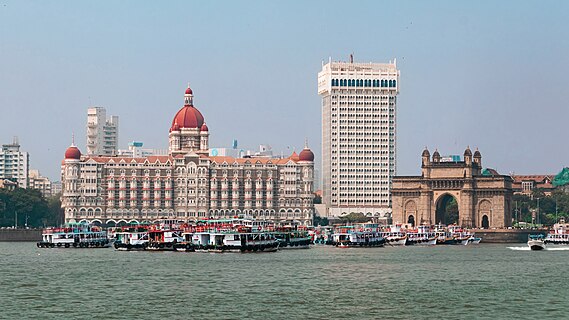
column 421, row 236
column 559, row 235
column 74, row 235
column 350, row 236
column 164, row 236
column 132, row 237
column 536, row 242
column 394, row 235
column 474, row 240
column 290, row 237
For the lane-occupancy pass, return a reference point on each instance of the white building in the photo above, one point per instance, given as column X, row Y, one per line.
column 102, row 132
column 358, row 135
column 14, row 164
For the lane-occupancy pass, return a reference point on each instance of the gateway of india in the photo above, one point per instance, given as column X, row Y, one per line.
column 187, row 184
column 483, row 197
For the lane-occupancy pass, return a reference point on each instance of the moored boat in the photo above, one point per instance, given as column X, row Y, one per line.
column 74, row 235
column 132, row 237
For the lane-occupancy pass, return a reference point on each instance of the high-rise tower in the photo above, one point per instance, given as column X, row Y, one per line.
column 359, row 110
column 102, row 132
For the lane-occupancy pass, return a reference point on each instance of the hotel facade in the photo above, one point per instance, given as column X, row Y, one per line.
column 359, row 117
column 187, row 184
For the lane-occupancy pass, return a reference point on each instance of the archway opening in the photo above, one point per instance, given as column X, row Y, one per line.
column 411, row 220
column 447, row 210
column 485, row 222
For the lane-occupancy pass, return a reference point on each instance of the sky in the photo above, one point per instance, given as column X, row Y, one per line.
column 491, row 75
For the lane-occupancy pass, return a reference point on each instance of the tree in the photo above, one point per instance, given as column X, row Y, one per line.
column 355, row 217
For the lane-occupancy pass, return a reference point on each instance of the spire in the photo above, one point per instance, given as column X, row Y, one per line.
column 189, row 96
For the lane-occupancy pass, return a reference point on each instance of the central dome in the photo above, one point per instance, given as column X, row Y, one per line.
column 188, row 116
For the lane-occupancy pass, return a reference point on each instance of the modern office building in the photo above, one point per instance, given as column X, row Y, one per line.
column 187, row 184
column 14, row 164
column 359, row 117
column 102, row 132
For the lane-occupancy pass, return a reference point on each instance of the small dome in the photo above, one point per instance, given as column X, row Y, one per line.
column 72, row 153
column 426, row 153
column 467, row 152
column 306, row 155
column 294, row 156
column 204, row 127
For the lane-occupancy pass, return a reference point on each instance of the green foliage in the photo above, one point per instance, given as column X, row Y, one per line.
column 317, row 199
column 355, row 217
column 451, row 211
column 319, row 221
column 29, row 207
column 523, row 206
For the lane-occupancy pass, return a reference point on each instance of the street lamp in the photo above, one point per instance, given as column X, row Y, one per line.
column 538, row 218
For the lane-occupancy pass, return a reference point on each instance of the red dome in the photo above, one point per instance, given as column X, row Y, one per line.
column 187, row 117
column 204, row 127
column 72, row 153
column 306, row 155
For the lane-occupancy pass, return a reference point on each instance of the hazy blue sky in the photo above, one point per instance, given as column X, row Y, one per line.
column 489, row 74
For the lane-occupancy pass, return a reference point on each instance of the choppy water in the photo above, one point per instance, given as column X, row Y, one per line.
column 443, row 282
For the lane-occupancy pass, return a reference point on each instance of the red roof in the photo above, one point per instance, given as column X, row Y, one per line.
column 306, row 155
column 187, row 117
column 72, row 153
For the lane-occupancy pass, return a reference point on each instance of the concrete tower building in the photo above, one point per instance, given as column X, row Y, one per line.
column 102, row 132
column 358, row 135
column 14, row 164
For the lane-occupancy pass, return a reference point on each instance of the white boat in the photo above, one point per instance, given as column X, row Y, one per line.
column 74, row 235
column 422, row 236
column 474, row 240
column 133, row 237
column 559, row 235
column 348, row 236
column 536, row 242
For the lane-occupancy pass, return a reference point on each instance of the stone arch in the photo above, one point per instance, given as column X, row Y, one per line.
column 485, row 210
column 410, row 210
column 441, row 214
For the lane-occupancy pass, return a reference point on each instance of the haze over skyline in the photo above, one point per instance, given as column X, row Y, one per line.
column 488, row 74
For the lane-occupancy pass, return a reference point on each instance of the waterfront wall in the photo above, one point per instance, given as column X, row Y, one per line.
column 20, row 234
column 506, row 235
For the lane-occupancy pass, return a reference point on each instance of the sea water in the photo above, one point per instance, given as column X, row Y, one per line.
column 442, row 282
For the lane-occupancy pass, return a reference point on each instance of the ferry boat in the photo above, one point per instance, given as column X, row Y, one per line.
column 422, row 236
column 74, row 235
column 228, row 235
column 349, row 236
column 559, row 235
column 164, row 236
column 132, row 237
column 290, row 237
column 394, row 235
column 536, row 242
